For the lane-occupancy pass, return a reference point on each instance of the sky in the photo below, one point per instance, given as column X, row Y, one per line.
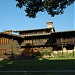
column 13, row 18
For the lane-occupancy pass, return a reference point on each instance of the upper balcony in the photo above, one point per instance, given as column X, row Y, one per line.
column 35, row 31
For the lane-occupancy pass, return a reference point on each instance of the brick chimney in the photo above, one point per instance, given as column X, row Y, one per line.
column 49, row 24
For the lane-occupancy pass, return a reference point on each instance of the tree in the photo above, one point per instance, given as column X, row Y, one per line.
column 53, row 7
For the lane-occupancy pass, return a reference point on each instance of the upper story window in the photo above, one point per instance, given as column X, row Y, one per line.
column 4, row 40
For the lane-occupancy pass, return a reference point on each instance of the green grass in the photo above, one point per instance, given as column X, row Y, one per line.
column 42, row 73
column 36, row 65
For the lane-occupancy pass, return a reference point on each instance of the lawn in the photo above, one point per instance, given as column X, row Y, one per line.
column 37, row 65
column 42, row 73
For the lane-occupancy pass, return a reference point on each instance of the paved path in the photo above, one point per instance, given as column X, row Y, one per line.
column 59, row 71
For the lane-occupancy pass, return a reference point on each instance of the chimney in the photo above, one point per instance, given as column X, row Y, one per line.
column 49, row 24
column 8, row 31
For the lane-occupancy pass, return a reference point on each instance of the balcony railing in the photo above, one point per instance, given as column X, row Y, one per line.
column 65, row 40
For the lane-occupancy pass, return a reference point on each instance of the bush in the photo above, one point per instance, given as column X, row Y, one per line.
column 59, row 54
column 37, row 54
column 46, row 52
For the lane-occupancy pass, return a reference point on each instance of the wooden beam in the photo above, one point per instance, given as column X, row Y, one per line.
column 62, row 46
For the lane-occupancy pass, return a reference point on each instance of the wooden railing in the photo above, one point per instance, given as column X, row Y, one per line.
column 65, row 40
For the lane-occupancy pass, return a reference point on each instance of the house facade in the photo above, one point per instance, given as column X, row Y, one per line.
column 30, row 41
column 36, row 39
column 9, row 43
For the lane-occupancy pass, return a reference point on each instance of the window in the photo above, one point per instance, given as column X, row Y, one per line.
column 2, row 51
column 4, row 40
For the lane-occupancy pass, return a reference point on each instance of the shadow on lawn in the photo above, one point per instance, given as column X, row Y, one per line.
column 36, row 65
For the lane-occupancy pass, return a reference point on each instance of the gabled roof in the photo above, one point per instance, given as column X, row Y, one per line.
column 10, row 35
column 33, row 30
column 69, row 33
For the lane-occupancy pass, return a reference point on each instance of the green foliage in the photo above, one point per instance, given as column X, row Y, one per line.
column 41, row 52
column 59, row 54
column 37, row 54
column 46, row 52
column 53, row 7
column 65, row 54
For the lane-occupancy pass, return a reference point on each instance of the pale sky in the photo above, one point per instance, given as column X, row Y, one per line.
column 13, row 18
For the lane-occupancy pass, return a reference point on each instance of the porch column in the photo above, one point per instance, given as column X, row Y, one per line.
column 32, row 45
column 64, row 49
column 62, row 46
column 73, row 50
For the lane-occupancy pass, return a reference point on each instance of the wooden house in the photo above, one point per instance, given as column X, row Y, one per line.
column 30, row 41
column 37, row 39
column 9, row 43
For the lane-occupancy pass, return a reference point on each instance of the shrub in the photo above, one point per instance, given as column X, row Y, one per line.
column 46, row 52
